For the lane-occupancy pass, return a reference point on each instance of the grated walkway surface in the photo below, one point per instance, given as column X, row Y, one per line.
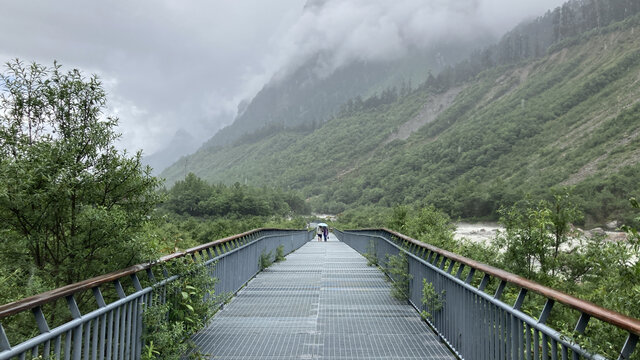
column 323, row 302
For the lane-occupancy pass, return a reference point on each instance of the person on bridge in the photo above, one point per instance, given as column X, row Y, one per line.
column 325, row 232
column 320, row 233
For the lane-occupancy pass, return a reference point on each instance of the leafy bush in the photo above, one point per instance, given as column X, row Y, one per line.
column 280, row 253
column 398, row 269
column 190, row 303
column 432, row 300
column 265, row 260
column 371, row 255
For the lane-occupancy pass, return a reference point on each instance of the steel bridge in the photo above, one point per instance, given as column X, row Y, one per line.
column 323, row 302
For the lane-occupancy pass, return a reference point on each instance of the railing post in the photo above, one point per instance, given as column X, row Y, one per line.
column 499, row 290
column 136, row 282
column 581, row 326
column 484, row 282
column 546, row 311
column 628, row 347
column 520, row 300
column 77, row 331
column 472, row 271
column 43, row 327
column 119, row 289
column 4, row 341
column 460, row 270
column 97, row 294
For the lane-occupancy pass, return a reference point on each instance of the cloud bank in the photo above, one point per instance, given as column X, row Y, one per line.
column 186, row 64
column 380, row 30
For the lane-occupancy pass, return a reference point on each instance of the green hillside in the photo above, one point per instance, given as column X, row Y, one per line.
column 567, row 119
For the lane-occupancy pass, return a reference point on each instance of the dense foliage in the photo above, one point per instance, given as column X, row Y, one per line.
column 193, row 196
column 538, row 244
column 71, row 205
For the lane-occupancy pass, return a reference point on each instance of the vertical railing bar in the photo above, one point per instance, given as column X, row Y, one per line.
column 514, row 337
column 109, row 339
column 94, row 342
column 527, row 347
column 138, row 336
column 546, row 311
column 629, row 346
column 581, row 326
column 122, row 338
column 116, row 333
column 554, row 349
column 67, row 345
column 574, row 355
column 495, row 331
column 484, row 282
column 34, row 352
column 565, row 353
column 520, row 299
column 521, row 338
column 87, row 338
column 43, row 327
column 97, row 294
column 536, row 344
column 209, row 253
column 46, row 350
column 126, row 331
column 77, row 342
column 23, row 355
column 57, row 346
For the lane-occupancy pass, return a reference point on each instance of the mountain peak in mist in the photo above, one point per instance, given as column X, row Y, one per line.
column 182, row 143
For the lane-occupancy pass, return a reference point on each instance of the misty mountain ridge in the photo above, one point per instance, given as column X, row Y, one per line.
column 310, row 95
column 182, row 143
column 553, row 104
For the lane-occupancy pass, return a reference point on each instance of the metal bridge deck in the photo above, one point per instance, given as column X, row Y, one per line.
column 323, row 302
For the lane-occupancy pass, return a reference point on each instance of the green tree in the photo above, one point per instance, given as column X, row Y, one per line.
column 188, row 196
column 527, row 239
column 431, row 226
column 71, row 205
column 564, row 213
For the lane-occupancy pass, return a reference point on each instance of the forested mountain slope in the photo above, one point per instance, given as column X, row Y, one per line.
column 570, row 118
column 306, row 97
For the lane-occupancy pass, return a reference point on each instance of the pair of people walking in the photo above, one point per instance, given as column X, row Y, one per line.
column 322, row 231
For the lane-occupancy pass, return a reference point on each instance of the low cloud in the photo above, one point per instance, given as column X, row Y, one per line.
column 380, row 30
column 187, row 64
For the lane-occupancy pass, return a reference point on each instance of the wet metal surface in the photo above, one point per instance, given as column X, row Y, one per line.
column 323, row 302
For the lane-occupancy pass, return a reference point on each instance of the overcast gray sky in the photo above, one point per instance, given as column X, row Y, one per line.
column 186, row 64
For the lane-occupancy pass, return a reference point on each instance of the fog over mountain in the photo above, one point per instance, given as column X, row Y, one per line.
column 185, row 66
column 380, row 30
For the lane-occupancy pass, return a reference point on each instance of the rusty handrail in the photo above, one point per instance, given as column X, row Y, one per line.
column 51, row 295
column 615, row 318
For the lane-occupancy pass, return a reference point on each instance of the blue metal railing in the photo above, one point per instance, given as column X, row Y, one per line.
column 476, row 324
column 113, row 330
